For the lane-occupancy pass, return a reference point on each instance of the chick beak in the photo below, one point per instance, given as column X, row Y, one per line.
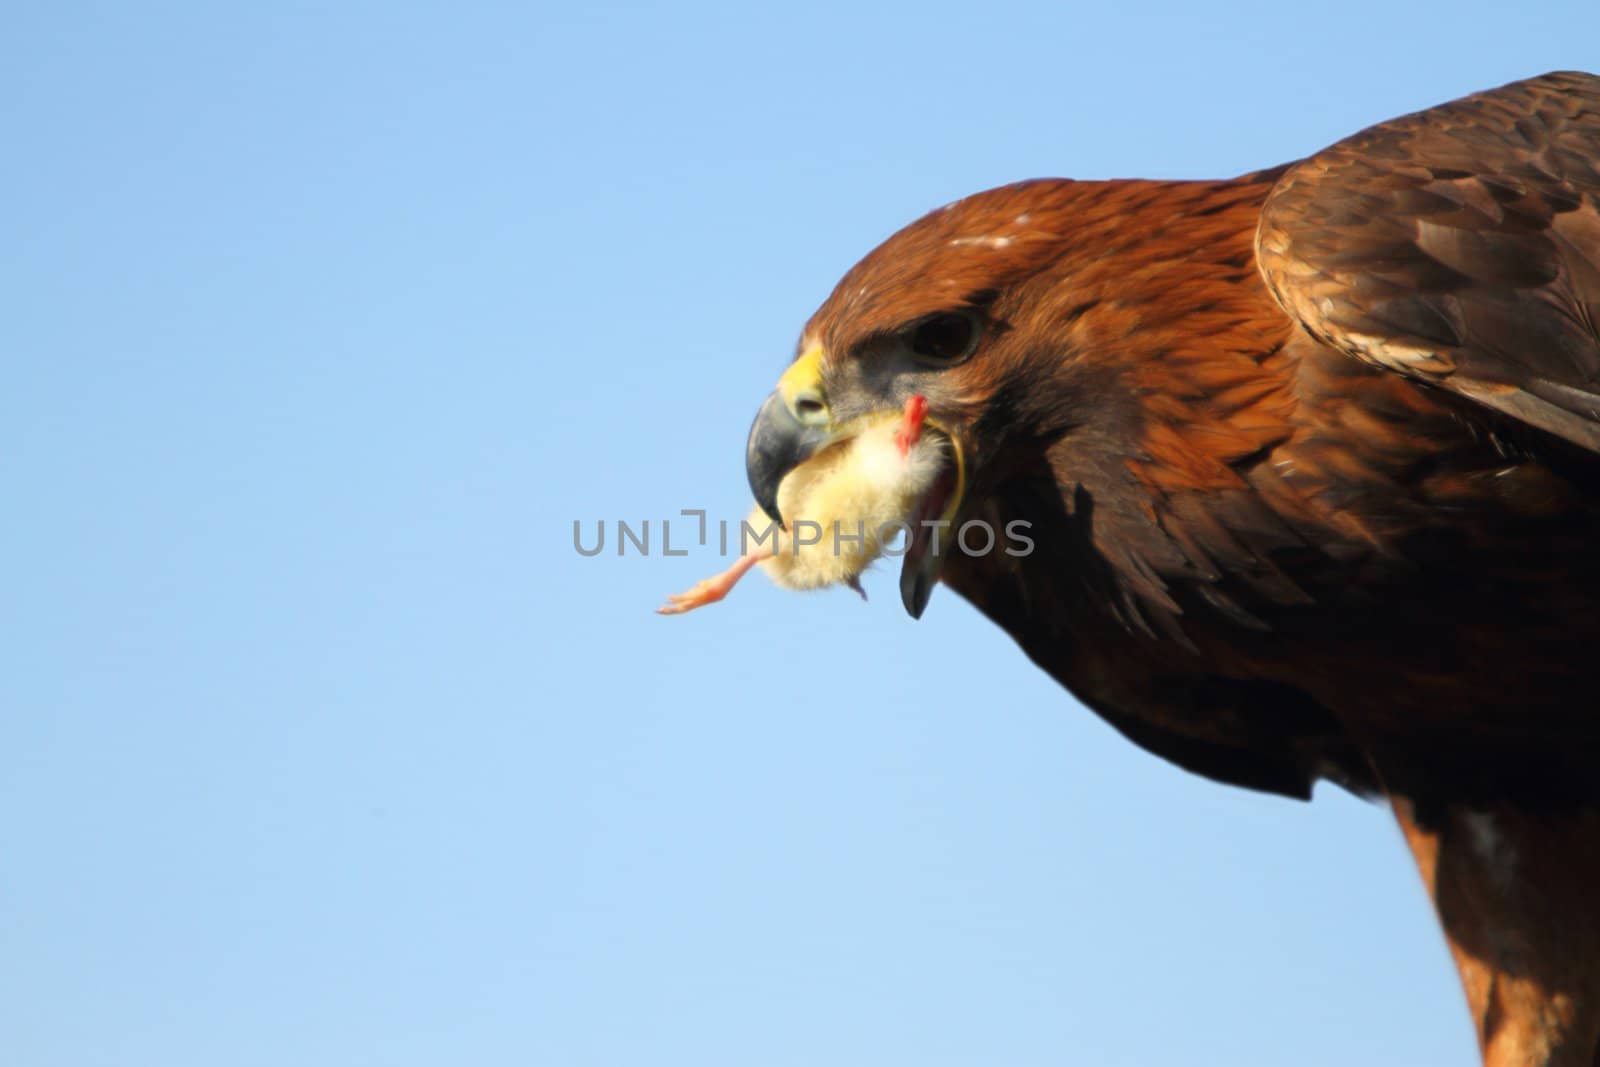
column 927, row 542
column 779, row 442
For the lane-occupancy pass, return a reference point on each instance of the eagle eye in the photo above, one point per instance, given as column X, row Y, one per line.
column 945, row 338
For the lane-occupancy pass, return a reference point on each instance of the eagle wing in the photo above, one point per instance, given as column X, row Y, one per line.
column 1459, row 246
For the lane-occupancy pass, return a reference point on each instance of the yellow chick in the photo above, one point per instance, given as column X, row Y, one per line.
column 841, row 507
column 843, row 504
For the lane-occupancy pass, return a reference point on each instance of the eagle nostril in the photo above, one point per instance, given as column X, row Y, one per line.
column 809, row 409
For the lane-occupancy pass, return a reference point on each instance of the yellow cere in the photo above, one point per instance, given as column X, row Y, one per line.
column 804, row 375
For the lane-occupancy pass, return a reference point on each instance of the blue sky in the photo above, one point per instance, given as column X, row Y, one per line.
column 321, row 745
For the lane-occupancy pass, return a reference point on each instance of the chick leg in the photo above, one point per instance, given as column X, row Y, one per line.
column 714, row 588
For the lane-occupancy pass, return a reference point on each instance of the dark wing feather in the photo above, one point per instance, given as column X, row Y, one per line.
column 1460, row 246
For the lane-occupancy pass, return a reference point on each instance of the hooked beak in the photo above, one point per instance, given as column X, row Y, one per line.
column 793, row 425
column 779, row 442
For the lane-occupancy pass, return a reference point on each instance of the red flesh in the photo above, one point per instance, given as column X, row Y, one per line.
column 910, row 430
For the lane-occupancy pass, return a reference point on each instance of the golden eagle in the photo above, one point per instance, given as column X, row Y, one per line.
column 1308, row 463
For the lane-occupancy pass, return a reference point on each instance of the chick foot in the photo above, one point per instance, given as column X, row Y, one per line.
column 713, row 589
